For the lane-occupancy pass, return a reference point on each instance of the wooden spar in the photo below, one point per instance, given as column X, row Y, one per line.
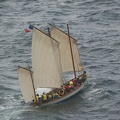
column 32, row 83
column 71, row 51
column 49, row 32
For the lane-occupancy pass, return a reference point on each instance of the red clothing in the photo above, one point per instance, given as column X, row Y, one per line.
column 66, row 87
column 74, row 83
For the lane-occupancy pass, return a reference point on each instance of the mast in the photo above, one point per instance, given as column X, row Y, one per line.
column 49, row 32
column 32, row 83
column 26, row 85
column 71, row 51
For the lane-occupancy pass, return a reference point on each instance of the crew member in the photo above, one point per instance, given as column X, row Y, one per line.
column 84, row 76
column 44, row 97
column 71, row 84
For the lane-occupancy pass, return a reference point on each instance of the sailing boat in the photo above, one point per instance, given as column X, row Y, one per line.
column 52, row 55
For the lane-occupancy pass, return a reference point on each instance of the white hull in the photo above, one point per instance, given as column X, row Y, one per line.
column 64, row 97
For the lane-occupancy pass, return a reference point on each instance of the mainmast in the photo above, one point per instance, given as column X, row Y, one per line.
column 71, row 52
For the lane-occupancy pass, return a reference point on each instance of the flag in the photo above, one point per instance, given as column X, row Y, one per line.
column 26, row 30
column 30, row 27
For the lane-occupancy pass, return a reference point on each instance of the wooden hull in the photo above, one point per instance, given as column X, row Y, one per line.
column 66, row 96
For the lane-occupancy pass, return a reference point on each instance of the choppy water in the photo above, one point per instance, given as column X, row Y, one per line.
column 96, row 25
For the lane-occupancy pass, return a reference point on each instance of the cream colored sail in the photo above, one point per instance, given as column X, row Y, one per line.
column 45, row 61
column 26, row 85
column 65, row 52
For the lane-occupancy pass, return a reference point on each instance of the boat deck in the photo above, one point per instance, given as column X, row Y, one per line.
column 65, row 96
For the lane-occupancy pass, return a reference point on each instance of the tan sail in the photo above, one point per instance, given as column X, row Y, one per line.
column 45, row 61
column 26, row 84
column 65, row 52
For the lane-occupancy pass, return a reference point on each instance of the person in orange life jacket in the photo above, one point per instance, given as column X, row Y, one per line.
column 44, row 97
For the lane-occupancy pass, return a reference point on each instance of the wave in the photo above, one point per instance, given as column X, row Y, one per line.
column 110, row 15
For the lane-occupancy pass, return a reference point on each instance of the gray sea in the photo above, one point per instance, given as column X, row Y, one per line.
column 96, row 26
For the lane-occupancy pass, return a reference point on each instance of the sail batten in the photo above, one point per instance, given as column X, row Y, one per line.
column 65, row 53
column 45, row 61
